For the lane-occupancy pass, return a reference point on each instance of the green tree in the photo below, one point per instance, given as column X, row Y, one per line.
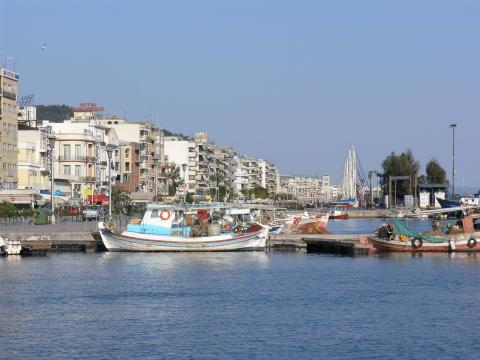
column 259, row 192
column 399, row 165
column 217, row 176
column 54, row 113
column 222, row 192
column 7, row 210
column 120, row 199
column 175, row 180
column 435, row 172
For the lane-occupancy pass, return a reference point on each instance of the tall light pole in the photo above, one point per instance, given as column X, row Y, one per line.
column 51, row 143
column 109, row 154
column 184, row 168
column 453, row 126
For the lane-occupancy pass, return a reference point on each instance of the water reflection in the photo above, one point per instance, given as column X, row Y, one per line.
column 172, row 260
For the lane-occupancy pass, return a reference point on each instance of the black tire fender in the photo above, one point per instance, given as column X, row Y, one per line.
column 417, row 243
column 472, row 242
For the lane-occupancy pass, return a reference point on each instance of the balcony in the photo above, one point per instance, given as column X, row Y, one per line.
column 82, row 158
column 9, row 95
column 68, row 177
column 145, row 166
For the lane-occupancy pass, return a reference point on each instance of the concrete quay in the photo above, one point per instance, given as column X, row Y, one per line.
column 328, row 243
column 376, row 213
column 58, row 237
column 85, row 237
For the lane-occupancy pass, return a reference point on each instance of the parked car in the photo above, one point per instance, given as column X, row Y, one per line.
column 92, row 212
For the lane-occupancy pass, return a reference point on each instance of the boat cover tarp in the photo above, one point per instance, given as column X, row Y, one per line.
column 399, row 228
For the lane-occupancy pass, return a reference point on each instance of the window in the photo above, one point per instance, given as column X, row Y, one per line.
column 154, row 214
column 127, row 153
column 67, row 170
column 77, row 170
column 66, row 152
column 77, row 151
column 127, row 166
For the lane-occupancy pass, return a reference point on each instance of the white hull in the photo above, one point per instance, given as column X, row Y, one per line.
column 10, row 247
column 129, row 241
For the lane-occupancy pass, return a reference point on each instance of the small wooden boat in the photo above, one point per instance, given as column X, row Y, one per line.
column 462, row 236
column 187, row 228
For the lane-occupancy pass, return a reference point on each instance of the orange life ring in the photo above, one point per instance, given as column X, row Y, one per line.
column 165, row 214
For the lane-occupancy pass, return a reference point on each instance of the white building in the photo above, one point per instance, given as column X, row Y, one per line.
column 80, row 157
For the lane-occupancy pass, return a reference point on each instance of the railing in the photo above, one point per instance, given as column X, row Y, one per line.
column 76, row 158
column 10, row 95
column 120, row 220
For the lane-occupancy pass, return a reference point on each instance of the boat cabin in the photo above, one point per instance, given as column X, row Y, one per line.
column 192, row 220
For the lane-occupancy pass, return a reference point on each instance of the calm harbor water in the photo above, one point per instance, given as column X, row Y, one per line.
column 239, row 305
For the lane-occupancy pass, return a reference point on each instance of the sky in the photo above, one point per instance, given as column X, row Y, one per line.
column 293, row 82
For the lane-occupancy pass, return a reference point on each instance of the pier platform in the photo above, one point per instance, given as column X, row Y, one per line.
column 330, row 244
column 58, row 241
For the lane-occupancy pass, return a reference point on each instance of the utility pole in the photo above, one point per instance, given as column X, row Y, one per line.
column 51, row 142
column 453, row 126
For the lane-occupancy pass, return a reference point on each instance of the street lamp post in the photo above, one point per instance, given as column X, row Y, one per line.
column 109, row 154
column 453, row 126
column 51, row 142
column 184, row 168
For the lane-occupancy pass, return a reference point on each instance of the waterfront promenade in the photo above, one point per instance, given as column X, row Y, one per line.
column 77, row 227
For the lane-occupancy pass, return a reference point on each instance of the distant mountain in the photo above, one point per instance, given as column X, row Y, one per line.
column 54, row 113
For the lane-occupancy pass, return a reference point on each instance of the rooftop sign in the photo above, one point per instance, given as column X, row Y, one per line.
column 10, row 74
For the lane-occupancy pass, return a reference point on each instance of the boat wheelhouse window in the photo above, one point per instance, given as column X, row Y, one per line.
column 154, row 213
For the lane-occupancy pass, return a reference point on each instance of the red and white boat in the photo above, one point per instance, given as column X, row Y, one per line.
column 302, row 223
column 308, row 224
column 338, row 212
column 463, row 236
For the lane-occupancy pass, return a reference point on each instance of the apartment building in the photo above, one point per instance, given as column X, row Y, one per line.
column 8, row 129
column 270, row 178
column 32, row 160
column 248, row 174
column 223, row 167
column 208, row 165
column 80, row 157
column 140, row 138
column 307, row 189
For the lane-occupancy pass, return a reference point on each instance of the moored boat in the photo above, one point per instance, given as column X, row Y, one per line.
column 187, row 228
column 303, row 223
column 462, row 236
column 338, row 212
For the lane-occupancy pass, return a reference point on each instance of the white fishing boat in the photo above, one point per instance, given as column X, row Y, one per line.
column 216, row 227
column 10, row 247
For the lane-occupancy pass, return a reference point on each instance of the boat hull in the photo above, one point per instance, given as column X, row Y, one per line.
column 339, row 217
column 452, row 245
column 314, row 226
column 128, row 241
